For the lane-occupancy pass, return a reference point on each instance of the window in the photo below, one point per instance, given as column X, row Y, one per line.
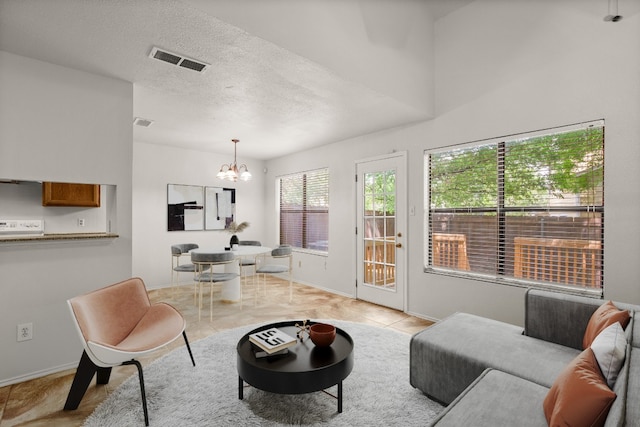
column 304, row 210
column 526, row 209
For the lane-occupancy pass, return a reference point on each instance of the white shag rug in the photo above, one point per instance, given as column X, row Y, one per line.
column 376, row 393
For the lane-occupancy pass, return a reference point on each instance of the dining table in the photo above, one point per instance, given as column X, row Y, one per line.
column 231, row 290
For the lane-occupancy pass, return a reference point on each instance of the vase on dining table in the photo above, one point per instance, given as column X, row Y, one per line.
column 234, row 228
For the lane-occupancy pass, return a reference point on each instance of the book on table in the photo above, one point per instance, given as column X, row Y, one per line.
column 260, row 354
column 272, row 340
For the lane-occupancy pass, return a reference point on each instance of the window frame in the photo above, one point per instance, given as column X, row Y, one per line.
column 500, row 276
column 304, row 210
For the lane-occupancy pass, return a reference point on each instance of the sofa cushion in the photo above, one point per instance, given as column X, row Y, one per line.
column 633, row 335
column 545, row 311
column 633, row 387
column 496, row 398
column 619, row 409
column 604, row 316
column 609, row 348
column 580, row 395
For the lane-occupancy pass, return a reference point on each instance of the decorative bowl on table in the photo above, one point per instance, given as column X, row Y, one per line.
column 322, row 334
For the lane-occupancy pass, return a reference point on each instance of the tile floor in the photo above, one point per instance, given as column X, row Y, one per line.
column 39, row 402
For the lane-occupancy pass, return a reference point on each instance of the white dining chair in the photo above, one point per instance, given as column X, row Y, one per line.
column 205, row 264
column 179, row 251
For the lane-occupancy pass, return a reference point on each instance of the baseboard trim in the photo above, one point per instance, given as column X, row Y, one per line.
column 322, row 288
column 38, row 374
column 422, row 316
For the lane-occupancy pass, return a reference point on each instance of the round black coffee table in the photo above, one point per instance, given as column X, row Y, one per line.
column 304, row 369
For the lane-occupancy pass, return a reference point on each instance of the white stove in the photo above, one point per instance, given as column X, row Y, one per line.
column 21, row 227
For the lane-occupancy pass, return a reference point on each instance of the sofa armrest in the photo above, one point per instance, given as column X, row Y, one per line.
column 558, row 318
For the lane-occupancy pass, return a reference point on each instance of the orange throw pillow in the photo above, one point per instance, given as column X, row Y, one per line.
column 580, row 395
column 606, row 315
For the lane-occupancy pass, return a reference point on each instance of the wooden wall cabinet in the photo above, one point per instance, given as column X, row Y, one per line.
column 69, row 194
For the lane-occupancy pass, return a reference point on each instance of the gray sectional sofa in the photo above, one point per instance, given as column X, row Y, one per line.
column 491, row 373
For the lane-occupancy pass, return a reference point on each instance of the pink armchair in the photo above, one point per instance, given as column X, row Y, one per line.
column 117, row 325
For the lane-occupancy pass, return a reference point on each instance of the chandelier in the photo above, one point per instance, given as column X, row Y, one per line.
column 231, row 171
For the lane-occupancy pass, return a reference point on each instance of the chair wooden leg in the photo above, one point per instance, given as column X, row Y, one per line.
column 255, row 290
column 200, row 301
column 211, row 302
column 242, row 285
column 142, row 391
column 195, row 288
column 195, row 293
column 173, row 284
column 84, row 374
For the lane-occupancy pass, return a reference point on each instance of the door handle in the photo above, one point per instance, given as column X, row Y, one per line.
column 398, row 245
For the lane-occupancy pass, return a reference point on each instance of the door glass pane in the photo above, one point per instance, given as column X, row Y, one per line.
column 379, row 228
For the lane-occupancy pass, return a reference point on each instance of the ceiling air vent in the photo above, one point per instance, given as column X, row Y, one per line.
column 179, row 60
column 139, row 121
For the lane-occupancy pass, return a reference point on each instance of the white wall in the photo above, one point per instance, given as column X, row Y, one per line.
column 62, row 125
column 155, row 166
column 501, row 68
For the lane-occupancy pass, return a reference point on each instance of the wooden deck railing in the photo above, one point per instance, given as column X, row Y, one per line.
column 450, row 250
column 380, row 263
column 574, row 262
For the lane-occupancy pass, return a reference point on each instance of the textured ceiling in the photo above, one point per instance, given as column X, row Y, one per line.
column 273, row 100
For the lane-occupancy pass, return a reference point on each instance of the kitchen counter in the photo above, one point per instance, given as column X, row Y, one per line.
column 56, row 237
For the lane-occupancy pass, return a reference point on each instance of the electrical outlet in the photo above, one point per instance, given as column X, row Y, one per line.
column 80, row 222
column 25, row 331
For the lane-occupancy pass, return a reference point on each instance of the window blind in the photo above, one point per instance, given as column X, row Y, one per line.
column 525, row 208
column 304, row 210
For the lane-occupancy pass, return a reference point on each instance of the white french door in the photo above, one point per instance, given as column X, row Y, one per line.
column 382, row 221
